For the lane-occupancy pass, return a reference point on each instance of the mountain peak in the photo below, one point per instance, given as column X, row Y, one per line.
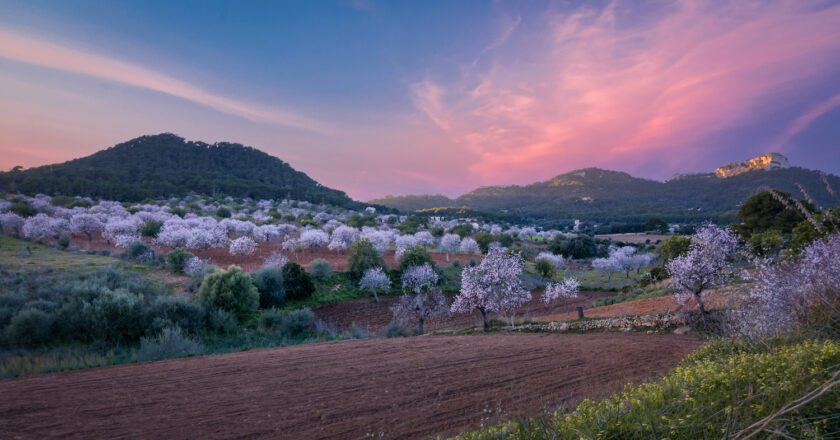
column 770, row 161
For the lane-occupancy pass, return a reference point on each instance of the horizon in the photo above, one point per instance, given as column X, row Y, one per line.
column 377, row 99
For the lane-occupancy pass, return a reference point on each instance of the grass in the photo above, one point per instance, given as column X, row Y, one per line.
column 14, row 255
column 723, row 390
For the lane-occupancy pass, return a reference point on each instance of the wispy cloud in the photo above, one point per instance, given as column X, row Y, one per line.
column 804, row 120
column 609, row 90
column 30, row 50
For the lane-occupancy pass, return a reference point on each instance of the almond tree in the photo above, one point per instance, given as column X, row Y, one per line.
column 492, row 286
column 10, row 221
column 375, row 279
column 424, row 303
column 312, row 238
column 568, row 289
column 87, row 223
column 242, row 246
column 468, row 246
column 449, row 244
column 702, row 267
column 342, row 237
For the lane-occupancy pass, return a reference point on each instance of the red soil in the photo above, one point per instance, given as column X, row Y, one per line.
column 405, row 388
column 648, row 306
column 373, row 317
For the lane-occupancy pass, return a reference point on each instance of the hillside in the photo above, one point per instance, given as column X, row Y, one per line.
column 602, row 195
column 165, row 165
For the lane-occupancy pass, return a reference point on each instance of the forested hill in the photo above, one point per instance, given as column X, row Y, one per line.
column 166, row 165
column 611, row 196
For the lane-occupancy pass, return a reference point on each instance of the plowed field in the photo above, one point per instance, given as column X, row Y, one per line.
column 391, row 388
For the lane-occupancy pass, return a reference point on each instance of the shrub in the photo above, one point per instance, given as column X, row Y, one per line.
column 230, row 290
column 115, row 316
column 298, row 283
column 177, row 258
column 221, row 321
column 63, row 241
column 288, row 324
column 544, row 267
column 198, row 277
column 456, row 263
column 169, row 343
column 223, row 212
column 395, row 330
column 415, row 256
column 179, row 311
column 269, row 282
column 140, row 251
column 150, row 228
column 361, row 257
column 320, row 269
column 23, row 209
column 29, row 328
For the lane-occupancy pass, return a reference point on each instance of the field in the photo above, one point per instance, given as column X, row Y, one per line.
column 402, row 388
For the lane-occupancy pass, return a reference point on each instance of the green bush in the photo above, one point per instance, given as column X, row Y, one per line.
column 223, row 212
column 456, row 263
column 169, row 343
column 115, row 316
column 23, row 209
column 29, row 328
column 395, row 329
column 221, row 321
column 198, row 277
column 288, row 324
column 139, row 250
column 361, row 257
column 320, row 269
column 177, row 258
column 544, row 267
column 298, row 283
column 269, row 282
column 63, row 241
column 415, row 256
column 150, row 228
column 230, row 290
column 180, row 311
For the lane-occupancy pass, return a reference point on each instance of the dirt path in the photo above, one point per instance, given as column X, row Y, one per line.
column 405, row 388
column 373, row 317
column 647, row 306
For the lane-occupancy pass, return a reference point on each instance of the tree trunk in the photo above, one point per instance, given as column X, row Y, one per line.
column 702, row 309
column 420, row 327
column 90, row 236
column 375, row 296
column 484, row 317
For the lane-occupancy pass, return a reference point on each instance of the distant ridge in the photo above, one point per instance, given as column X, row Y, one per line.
column 613, row 196
column 165, row 165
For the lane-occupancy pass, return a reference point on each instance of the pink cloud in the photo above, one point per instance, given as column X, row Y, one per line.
column 30, row 50
column 608, row 93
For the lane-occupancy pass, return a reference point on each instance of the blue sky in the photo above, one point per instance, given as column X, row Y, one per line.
column 380, row 98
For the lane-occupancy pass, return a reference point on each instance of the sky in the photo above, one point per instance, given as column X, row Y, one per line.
column 397, row 97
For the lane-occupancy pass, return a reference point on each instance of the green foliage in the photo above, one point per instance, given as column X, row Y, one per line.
column 361, row 257
column 223, row 212
column 297, row 282
column 23, row 209
column 718, row 391
column 29, row 328
column 415, row 256
column 170, row 343
column 673, row 247
column 139, row 250
column 544, row 267
column 165, row 165
column 656, row 224
column 766, row 243
column 464, row 230
column 195, row 279
column 230, row 290
column 289, row 324
column 320, row 269
column 150, row 228
column 177, row 258
column 63, row 241
column 805, row 233
column 412, row 224
column 358, row 221
column 395, row 329
column 580, row 247
column 269, row 282
column 763, row 212
column 115, row 316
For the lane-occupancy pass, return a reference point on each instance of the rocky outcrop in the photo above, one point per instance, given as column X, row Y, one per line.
column 771, row 161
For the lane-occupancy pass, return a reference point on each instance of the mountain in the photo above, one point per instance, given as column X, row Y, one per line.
column 165, row 165
column 612, row 196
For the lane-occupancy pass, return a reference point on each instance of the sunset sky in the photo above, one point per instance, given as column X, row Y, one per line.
column 407, row 97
